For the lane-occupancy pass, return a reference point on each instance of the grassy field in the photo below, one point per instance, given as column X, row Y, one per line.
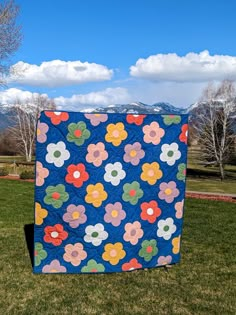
column 202, row 284
column 199, row 178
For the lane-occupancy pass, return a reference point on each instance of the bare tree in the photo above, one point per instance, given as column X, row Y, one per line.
column 214, row 124
column 25, row 123
column 10, row 35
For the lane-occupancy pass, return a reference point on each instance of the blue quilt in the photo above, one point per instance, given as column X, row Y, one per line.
column 109, row 191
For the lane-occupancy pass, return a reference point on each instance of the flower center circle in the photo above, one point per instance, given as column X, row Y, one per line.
column 133, row 153
column 132, row 192
column 57, row 154
column 77, row 133
column 94, row 270
column 97, row 115
column 35, row 253
column 186, row 133
column 135, row 115
column 114, row 213
column 184, row 172
column 166, row 228
column 168, row 191
column 96, row 153
column 150, row 211
column 132, row 232
column 57, row 113
column 114, row 173
column 116, row 133
column 150, row 173
column 95, row 194
column 170, row 153
column 149, row 249
column 113, row 253
column 75, row 215
column 76, row 174
column 53, row 270
column 38, row 132
column 55, row 195
column 54, row 234
column 94, row 234
column 74, row 253
column 153, row 133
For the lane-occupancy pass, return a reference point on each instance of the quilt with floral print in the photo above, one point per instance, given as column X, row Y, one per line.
column 109, row 191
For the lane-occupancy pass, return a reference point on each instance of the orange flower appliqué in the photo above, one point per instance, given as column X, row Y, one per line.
column 135, row 119
column 131, row 265
column 57, row 117
column 55, row 234
column 184, row 134
column 77, row 175
column 150, row 211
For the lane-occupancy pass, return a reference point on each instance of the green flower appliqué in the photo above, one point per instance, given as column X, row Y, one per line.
column 181, row 175
column 148, row 250
column 39, row 253
column 93, row 266
column 56, row 195
column 171, row 119
column 78, row 133
column 132, row 192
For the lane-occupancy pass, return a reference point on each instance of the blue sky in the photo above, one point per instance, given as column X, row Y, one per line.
column 111, row 36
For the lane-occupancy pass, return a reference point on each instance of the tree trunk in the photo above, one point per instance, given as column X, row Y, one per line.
column 222, row 171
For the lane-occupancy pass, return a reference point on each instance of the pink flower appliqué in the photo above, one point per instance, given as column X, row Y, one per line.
column 168, row 191
column 96, row 154
column 96, row 119
column 42, row 129
column 41, row 174
column 133, row 153
column 133, row 232
column 179, row 209
column 153, row 133
column 114, row 213
column 75, row 215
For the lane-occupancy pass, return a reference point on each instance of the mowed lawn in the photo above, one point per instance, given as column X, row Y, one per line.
column 203, row 283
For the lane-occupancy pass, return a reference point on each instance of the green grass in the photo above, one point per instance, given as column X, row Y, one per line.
column 207, row 179
column 203, row 283
column 211, row 185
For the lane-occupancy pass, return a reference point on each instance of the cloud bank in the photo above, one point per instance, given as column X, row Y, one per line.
column 75, row 102
column 11, row 96
column 59, row 73
column 100, row 98
column 191, row 67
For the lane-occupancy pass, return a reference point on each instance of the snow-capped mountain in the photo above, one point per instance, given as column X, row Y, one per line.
column 194, row 110
column 141, row 108
column 137, row 107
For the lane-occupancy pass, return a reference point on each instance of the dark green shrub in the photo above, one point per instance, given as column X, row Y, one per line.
column 3, row 171
column 27, row 175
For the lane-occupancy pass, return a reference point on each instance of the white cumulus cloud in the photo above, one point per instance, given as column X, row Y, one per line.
column 11, row 96
column 59, row 73
column 100, row 98
column 191, row 67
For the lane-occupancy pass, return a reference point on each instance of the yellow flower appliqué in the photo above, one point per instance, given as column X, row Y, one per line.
column 95, row 194
column 116, row 133
column 176, row 245
column 113, row 253
column 151, row 172
column 40, row 214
